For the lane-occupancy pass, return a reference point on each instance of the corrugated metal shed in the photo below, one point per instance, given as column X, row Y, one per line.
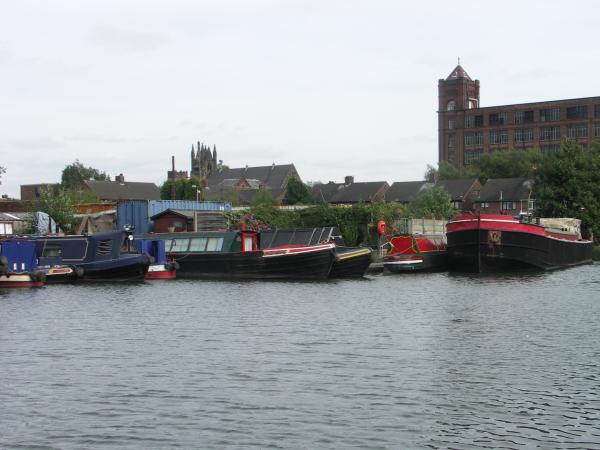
column 138, row 212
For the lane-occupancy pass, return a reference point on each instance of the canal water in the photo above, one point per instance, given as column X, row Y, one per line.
column 399, row 361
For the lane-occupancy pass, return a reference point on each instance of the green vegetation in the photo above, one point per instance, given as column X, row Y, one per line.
column 185, row 189
column 297, row 192
column 73, row 176
column 567, row 184
column 58, row 204
column 434, row 202
column 2, row 170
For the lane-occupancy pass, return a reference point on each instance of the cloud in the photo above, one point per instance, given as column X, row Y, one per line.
column 40, row 143
column 129, row 40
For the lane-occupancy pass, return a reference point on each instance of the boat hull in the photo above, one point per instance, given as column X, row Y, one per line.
column 161, row 272
column 490, row 250
column 256, row 265
column 429, row 261
column 21, row 280
column 122, row 269
column 350, row 262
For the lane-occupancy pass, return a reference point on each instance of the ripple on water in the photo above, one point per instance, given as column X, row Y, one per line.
column 416, row 361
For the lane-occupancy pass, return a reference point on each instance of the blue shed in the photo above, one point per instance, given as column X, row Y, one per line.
column 138, row 212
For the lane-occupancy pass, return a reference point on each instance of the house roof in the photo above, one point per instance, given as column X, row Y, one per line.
column 186, row 213
column 273, row 176
column 358, row 192
column 506, row 189
column 406, row 191
column 456, row 188
column 323, row 192
column 113, row 190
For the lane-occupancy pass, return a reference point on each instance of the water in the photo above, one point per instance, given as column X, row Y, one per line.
column 405, row 361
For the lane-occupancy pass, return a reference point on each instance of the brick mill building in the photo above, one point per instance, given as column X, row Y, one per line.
column 467, row 131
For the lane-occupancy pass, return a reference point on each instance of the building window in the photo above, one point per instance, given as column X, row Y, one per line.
column 484, row 205
column 6, row 228
column 451, row 106
column 469, row 121
column 509, row 205
column 549, row 149
column 472, row 155
column 523, row 135
column 473, row 139
column 577, row 112
column 497, row 119
column 523, row 117
column 598, row 130
column 450, row 141
column 577, row 131
column 596, row 110
column 549, row 133
column 478, row 121
column 451, row 124
column 499, row 137
column 457, row 204
column 549, row 115
column 472, row 103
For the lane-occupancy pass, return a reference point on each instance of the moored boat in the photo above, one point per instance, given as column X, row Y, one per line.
column 235, row 255
column 161, row 267
column 413, row 252
column 349, row 262
column 104, row 256
column 18, row 265
column 492, row 242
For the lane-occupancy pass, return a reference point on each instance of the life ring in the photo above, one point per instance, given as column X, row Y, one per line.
column 381, row 227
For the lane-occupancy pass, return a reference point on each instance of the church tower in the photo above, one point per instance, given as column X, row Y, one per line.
column 456, row 94
column 203, row 161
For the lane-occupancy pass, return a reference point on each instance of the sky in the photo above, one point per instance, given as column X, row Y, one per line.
column 335, row 87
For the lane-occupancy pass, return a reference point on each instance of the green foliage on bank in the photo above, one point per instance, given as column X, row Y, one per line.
column 433, row 203
column 58, row 204
column 357, row 223
column 567, row 184
column 74, row 174
column 185, row 189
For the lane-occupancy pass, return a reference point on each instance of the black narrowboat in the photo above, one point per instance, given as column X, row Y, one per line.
column 236, row 255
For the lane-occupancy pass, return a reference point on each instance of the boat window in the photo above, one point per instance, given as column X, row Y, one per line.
column 198, row 244
column 6, row 228
column 104, row 247
column 52, row 250
column 214, row 245
column 248, row 243
column 179, row 245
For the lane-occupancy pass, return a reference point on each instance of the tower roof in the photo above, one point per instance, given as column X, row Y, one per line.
column 458, row 72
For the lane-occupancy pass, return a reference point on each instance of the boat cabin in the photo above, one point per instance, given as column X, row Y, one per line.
column 200, row 242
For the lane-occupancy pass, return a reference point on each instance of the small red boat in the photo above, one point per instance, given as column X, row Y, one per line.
column 21, row 279
column 492, row 242
column 413, row 252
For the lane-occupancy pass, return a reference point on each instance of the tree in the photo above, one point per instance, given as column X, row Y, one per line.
column 76, row 173
column 567, row 184
column 510, row 164
column 2, row 170
column 297, row 192
column 185, row 189
column 58, row 204
column 434, row 202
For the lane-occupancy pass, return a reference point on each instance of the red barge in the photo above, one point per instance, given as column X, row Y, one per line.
column 416, row 253
column 493, row 242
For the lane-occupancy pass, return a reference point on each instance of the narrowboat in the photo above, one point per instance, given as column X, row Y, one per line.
column 349, row 262
column 236, row 255
column 161, row 268
column 413, row 252
column 104, row 256
column 18, row 264
column 494, row 242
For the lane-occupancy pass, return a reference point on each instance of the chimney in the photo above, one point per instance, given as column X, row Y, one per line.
column 348, row 180
column 120, row 178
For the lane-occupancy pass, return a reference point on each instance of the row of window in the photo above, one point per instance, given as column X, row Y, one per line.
column 521, row 135
column 200, row 244
column 523, row 117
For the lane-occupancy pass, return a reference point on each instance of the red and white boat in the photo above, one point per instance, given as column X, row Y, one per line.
column 492, row 242
column 21, row 279
column 412, row 252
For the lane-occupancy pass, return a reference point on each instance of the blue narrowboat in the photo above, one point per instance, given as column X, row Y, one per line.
column 18, row 264
column 104, row 256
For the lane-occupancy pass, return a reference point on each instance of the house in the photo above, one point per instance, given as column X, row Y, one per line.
column 245, row 182
column 462, row 192
column 505, row 196
column 173, row 220
column 32, row 191
column 405, row 192
column 121, row 190
column 350, row 192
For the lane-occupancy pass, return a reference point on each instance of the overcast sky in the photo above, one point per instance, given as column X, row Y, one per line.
column 335, row 87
